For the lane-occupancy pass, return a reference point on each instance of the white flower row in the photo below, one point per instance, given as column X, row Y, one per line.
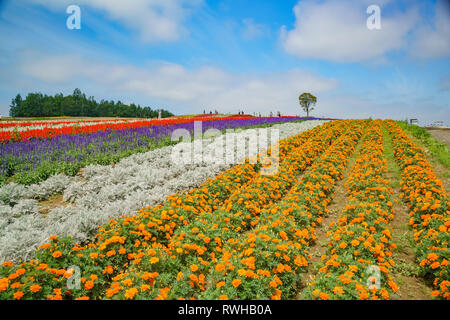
column 102, row 193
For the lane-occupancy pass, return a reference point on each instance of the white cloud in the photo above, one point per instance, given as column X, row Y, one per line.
column 155, row 20
column 202, row 87
column 433, row 40
column 253, row 30
column 336, row 30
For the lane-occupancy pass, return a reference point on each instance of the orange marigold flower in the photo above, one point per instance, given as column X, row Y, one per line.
column 432, row 256
column 345, row 280
column 194, row 267
column 130, row 293
column 435, row 293
column 89, row 285
column 385, row 294
column 110, row 253
column 355, row 243
column 154, row 260
column 35, row 288
column 223, row 297
column 17, row 295
column 338, row 290
column 353, row 268
column 363, row 295
column 220, row 267
column 145, row 287
column 20, row 271
column 220, row 284
column 342, row 245
column 393, row 285
column 276, row 297
column 57, row 254
column 193, row 277
column 109, row 270
column 435, row 265
column 236, row 283
column 324, row 296
column 93, row 255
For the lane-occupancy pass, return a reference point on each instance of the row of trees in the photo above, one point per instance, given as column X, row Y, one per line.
column 77, row 105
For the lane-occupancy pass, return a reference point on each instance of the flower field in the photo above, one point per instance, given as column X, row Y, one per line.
column 33, row 155
column 145, row 228
column 102, row 192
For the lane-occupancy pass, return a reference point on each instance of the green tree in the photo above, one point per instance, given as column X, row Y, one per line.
column 79, row 101
column 68, row 106
column 307, row 102
column 32, row 105
column 16, row 106
column 58, row 107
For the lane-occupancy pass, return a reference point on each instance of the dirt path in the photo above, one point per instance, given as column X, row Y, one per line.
column 405, row 272
column 442, row 135
column 54, row 201
column 337, row 205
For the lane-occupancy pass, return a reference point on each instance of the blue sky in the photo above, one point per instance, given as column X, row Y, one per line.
column 229, row 55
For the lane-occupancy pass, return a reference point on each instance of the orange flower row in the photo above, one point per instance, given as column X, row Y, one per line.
column 425, row 196
column 358, row 259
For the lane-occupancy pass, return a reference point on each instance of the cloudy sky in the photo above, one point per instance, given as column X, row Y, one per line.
column 230, row 55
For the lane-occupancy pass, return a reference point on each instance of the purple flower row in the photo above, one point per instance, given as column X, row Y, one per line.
column 77, row 150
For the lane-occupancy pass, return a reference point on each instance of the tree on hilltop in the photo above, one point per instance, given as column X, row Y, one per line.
column 307, row 102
